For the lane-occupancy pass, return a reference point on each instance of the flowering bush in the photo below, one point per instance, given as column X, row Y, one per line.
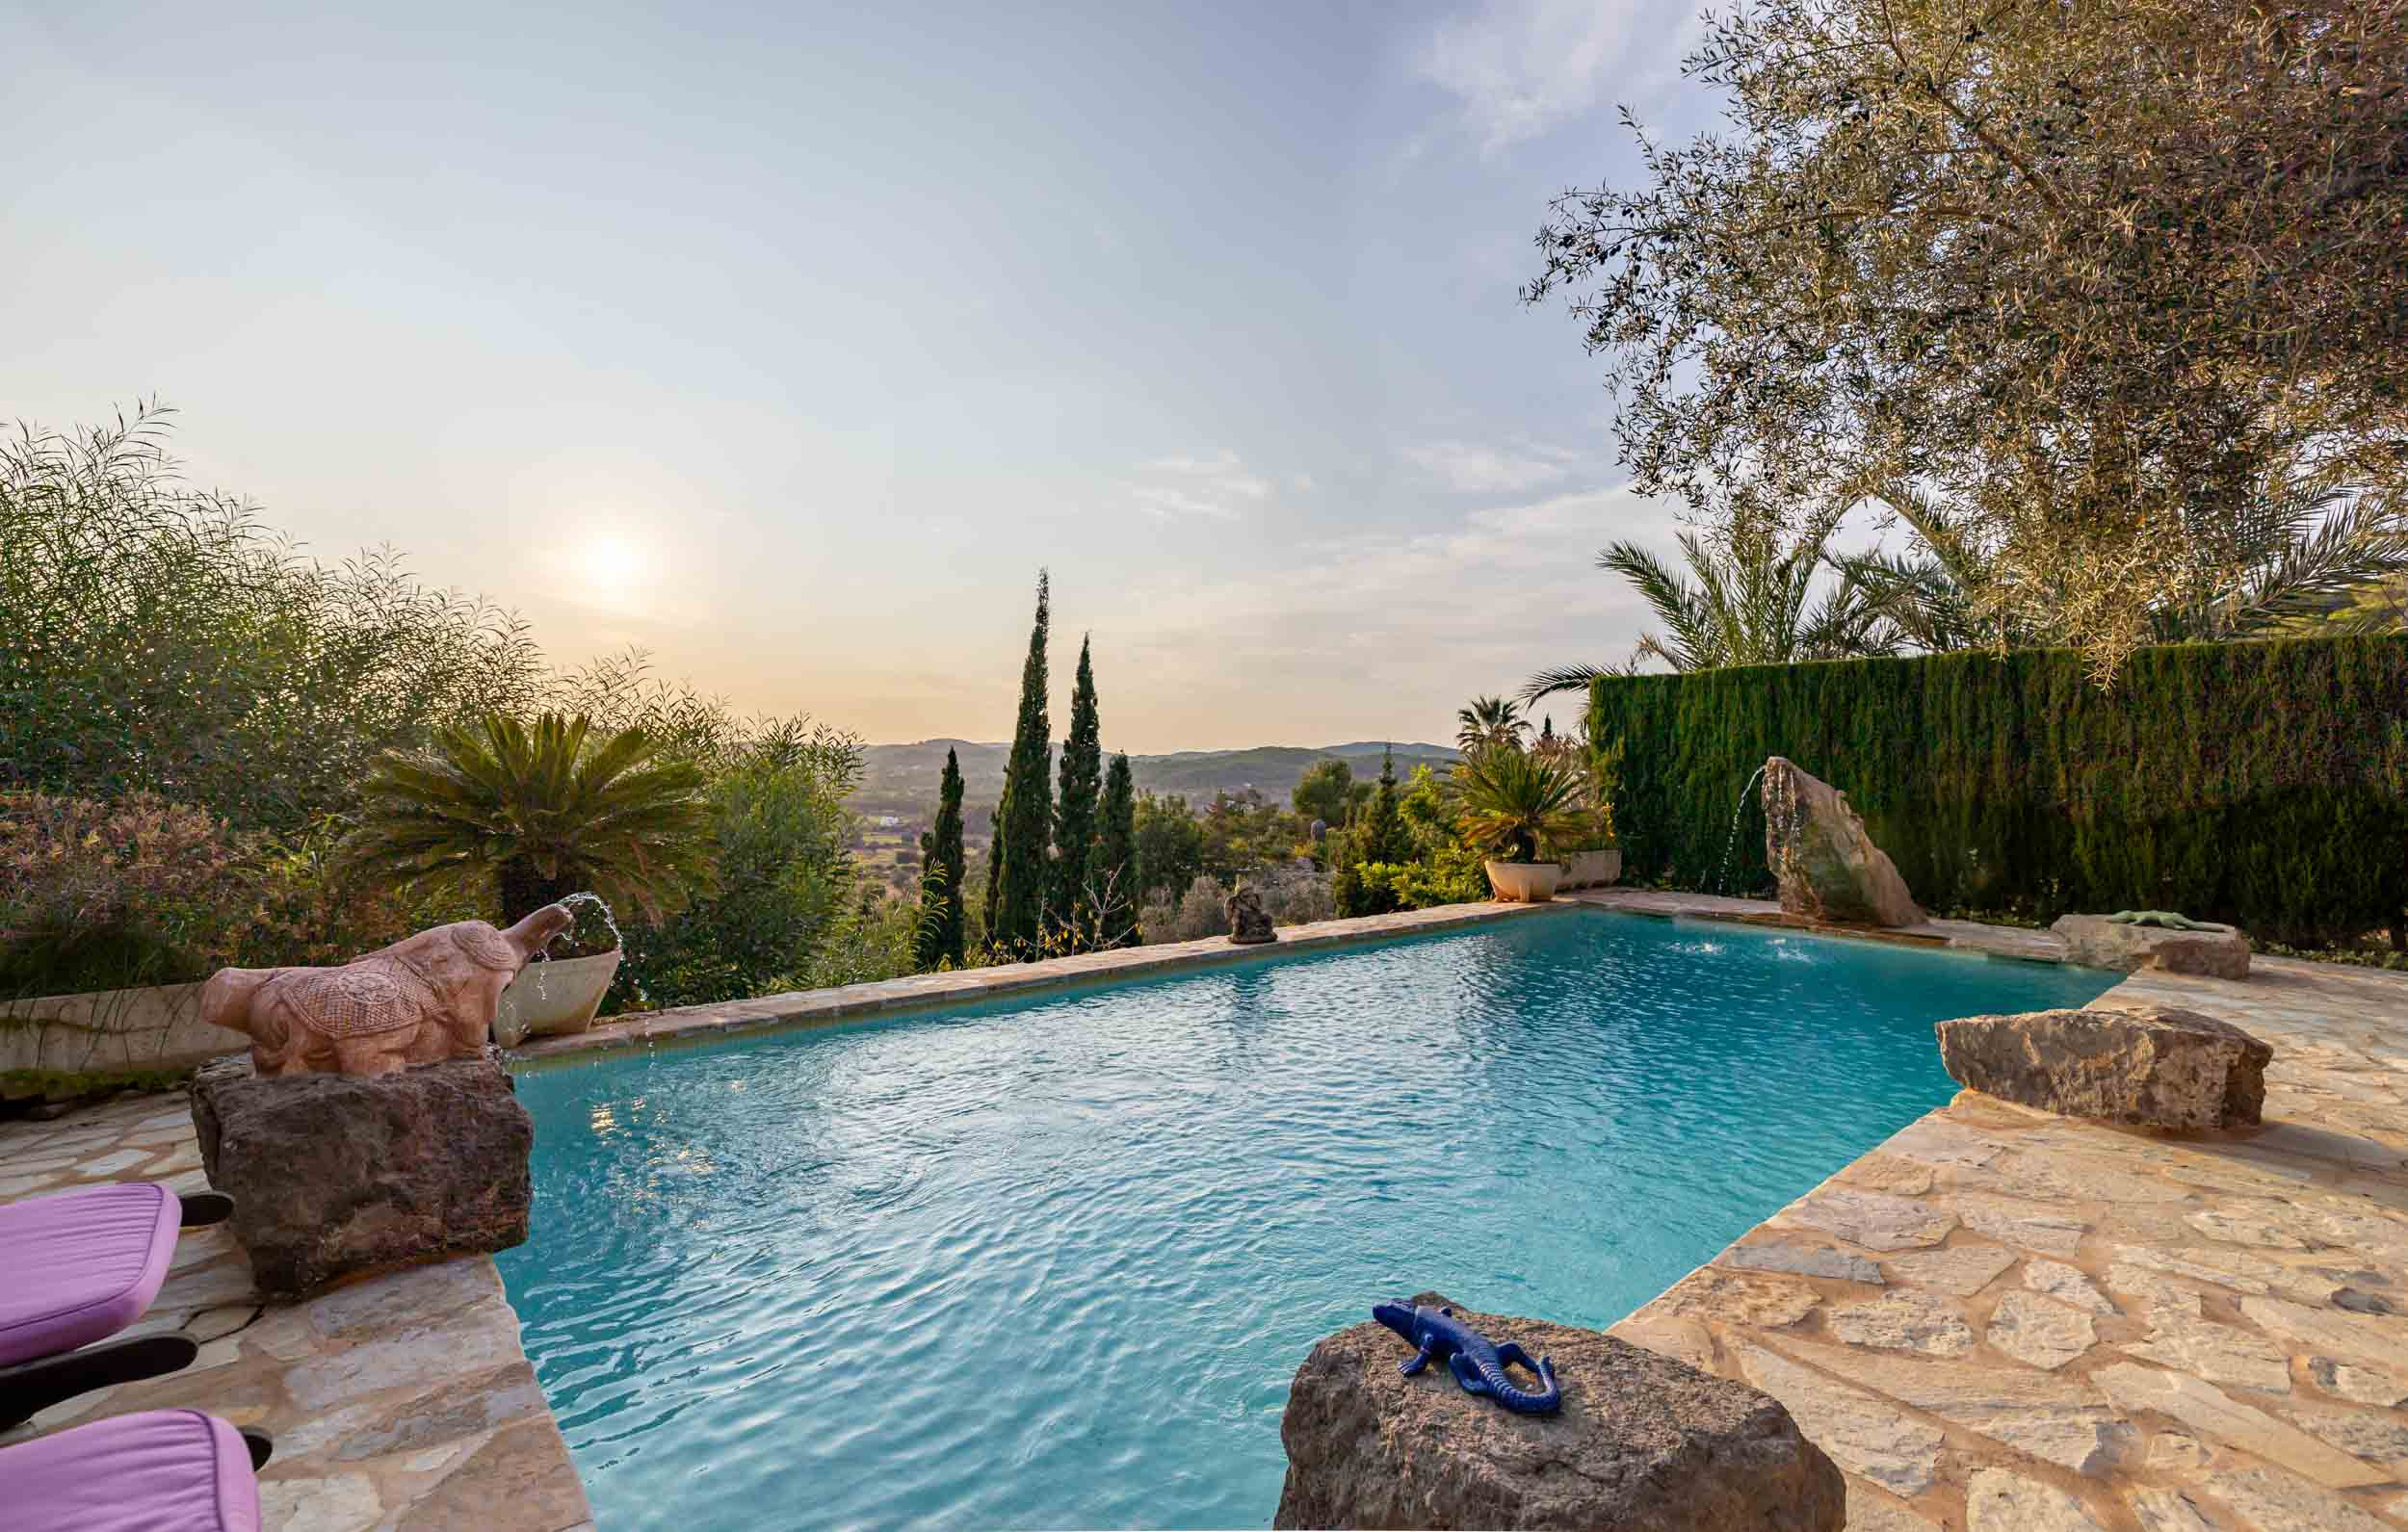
column 137, row 891
column 104, row 896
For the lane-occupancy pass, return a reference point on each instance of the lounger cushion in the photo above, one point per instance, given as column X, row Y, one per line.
column 161, row 1470
column 82, row 1265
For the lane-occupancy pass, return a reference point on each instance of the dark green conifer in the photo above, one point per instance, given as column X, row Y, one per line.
column 1025, row 819
column 1383, row 833
column 1074, row 811
column 944, row 926
column 1115, row 872
column 994, row 863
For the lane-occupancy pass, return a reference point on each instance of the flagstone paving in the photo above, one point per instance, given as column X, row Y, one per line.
column 2001, row 1318
column 400, row 1402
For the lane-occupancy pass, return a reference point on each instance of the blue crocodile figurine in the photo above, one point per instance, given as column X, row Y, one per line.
column 1437, row 1334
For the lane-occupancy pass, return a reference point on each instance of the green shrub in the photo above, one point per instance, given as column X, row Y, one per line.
column 161, row 640
column 2264, row 783
column 1452, row 875
column 787, row 905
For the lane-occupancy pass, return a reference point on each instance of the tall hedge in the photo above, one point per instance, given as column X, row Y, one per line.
column 2265, row 784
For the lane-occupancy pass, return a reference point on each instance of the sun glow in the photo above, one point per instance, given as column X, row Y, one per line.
column 611, row 565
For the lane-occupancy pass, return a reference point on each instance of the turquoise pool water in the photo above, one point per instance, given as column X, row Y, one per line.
column 1052, row 1262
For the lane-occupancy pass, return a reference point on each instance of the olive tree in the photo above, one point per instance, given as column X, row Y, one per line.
column 2100, row 282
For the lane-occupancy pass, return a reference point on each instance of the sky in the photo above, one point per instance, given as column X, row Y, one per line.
column 787, row 342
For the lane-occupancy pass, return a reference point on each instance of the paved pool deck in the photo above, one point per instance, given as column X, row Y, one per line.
column 401, row 1402
column 1996, row 1319
column 2003, row 1318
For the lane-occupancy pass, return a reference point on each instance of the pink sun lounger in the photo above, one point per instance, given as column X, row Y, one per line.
column 76, row 1268
column 161, row 1470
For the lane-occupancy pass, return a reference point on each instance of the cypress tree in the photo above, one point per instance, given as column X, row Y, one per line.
column 1074, row 812
column 1117, row 854
column 1025, row 819
column 994, row 861
column 1383, row 835
column 943, row 924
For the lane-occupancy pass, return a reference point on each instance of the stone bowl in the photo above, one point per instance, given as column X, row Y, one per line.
column 1591, row 870
column 1525, row 882
column 558, row 996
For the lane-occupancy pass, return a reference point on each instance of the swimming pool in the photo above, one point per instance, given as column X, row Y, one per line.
column 1051, row 1261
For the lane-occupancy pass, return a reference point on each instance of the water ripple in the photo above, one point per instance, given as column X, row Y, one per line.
column 1053, row 1262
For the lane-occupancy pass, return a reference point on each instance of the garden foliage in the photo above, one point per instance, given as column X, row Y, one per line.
column 161, row 640
column 2265, row 784
column 195, row 720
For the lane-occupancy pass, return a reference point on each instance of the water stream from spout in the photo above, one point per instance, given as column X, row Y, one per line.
column 1731, row 842
column 569, row 902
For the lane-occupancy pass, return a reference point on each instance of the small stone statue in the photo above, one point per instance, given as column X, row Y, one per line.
column 426, row 997
column 1250, row 924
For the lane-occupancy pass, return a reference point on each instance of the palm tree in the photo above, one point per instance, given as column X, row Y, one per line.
column 1489, row 722
column 1749, row 605
column 1511, row 800
column 1930, row 594
column 2303, row 551
column 537, row 814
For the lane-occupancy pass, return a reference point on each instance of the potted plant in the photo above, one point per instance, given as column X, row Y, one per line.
column 1590, row 856
column 1592, row 860
column 537, row 814
column 1513, row 802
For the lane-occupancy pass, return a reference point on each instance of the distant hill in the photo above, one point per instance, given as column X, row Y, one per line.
column 902, row 778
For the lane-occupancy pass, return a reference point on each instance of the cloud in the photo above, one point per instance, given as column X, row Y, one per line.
column 1476, row 468
column 1218, row 488
column 1402, row 622
column 1518, row 68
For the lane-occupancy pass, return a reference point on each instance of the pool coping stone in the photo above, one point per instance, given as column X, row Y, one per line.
column 801, row 1009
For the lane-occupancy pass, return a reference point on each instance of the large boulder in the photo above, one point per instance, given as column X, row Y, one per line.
column 1828, row 868
column 1642, row 1442
column 2159, row 1067
column 333, row 1174
column 2098, row 941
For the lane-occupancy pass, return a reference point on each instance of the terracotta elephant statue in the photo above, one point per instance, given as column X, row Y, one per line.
column 426, row 998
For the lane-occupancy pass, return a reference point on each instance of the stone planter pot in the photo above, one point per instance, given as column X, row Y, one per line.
column 1590, row 870
column 54, row 1042
column 558, row 996
column 1525, row 882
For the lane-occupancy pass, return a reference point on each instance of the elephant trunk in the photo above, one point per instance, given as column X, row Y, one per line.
column 539, row 930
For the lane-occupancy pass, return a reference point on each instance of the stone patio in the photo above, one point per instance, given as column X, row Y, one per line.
column 1997, row 1318
column 400, row 1402
column 2003, row 1318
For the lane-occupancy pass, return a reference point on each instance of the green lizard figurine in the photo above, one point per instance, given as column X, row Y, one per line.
column 2165, row 918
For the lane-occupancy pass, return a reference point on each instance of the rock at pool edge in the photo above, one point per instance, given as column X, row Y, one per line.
column 336, row 1173
column 2093, row 940
column 1642, row 1441
column 2159, row 1067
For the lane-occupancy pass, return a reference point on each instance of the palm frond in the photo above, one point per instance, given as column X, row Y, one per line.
column 1568, row 678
